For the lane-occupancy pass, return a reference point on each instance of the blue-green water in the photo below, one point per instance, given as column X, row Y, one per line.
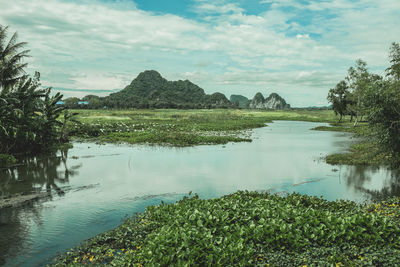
column 94, row 187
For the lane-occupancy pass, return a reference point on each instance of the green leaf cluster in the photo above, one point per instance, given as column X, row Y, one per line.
column 7, row 160
column 250, row 228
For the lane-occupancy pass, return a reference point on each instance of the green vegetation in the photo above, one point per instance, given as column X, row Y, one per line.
column 28, row 114
column 178, row 127
column 197, row 127
column 364, row 153
column 239, row 101
column 338, row 97
column 376, row 98
column 7, row 160
column 247, row 229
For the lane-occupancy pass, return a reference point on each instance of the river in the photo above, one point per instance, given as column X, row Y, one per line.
column 94, row 187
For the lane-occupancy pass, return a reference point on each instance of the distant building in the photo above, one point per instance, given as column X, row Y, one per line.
column 83, row 103
column 60, row 103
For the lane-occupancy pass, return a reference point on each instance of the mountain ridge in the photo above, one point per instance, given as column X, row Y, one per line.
column 150, row 90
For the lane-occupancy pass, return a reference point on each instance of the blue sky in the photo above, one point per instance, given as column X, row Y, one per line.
column 297, row 48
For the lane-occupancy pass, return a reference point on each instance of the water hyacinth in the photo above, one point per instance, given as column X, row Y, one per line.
column 248, row 229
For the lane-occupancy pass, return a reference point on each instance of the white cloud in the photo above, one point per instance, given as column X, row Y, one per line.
column 213, row 8
column 224, row 50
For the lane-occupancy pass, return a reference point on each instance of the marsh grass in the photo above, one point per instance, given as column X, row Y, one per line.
column 217, row 126
column 180, row 127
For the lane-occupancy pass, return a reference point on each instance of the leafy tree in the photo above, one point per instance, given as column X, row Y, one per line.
column 67, row 117
column 11, row 67
column 394, row 56
column 383, row 100
column 358, row 79
column 376, row 97
column 72, row 102
column 338, row 97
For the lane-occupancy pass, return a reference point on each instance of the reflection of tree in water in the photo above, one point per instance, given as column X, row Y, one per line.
column 40, row 174
column 36, row 174
column 358, row 176
column 14, row 226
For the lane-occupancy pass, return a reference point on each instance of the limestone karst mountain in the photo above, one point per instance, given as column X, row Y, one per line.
column 273, row 101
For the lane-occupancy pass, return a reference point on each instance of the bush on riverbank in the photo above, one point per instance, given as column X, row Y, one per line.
column 250, row 228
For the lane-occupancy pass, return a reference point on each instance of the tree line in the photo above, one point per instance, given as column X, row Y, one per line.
column 179, row 100
column 364, row 95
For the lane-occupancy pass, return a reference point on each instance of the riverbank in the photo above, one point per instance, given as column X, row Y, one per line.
column 366, row 150
column 247, row 229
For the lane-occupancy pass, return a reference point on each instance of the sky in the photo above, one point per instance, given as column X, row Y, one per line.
column 296, row 48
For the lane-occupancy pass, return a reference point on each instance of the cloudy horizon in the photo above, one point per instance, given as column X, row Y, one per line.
column 296, row 48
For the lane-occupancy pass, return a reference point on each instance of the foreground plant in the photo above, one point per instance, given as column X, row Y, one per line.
column 246, row 229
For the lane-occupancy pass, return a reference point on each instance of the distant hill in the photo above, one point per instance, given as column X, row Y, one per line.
column 273, row 101
column 150, row 90
column 240, row 101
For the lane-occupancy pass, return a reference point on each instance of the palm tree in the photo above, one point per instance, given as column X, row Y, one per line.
column 28, row 114
column 11, row 65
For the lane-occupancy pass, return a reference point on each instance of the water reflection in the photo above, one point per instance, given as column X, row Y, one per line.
column 361, row 177
column 36, row 179
column 37, row 174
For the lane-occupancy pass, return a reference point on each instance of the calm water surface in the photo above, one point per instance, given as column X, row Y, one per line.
column 93, row 187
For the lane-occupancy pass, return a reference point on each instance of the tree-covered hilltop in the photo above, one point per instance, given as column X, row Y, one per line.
column 151, row 90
